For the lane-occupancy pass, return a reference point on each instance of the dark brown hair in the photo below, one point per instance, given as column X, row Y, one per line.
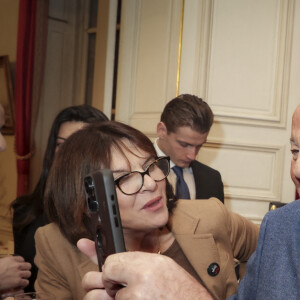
column 84, row 152
column 187, row 110
column 28, row 207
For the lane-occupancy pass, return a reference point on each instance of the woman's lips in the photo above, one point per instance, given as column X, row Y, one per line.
column 153, row 204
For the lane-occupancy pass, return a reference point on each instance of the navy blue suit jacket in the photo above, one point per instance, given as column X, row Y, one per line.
column 273, row 271
column 208, row 181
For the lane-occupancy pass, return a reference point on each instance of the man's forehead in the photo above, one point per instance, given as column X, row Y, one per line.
column 295, row 133
column 296, row 122
column 296, row 115
column 188, row 129
column 189, row 136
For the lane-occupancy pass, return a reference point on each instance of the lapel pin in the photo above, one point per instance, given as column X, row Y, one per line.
column 213, row 269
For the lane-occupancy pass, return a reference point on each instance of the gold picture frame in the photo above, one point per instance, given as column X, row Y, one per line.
column 6, row 95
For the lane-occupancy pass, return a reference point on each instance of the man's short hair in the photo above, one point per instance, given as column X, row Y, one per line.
column 187, row 111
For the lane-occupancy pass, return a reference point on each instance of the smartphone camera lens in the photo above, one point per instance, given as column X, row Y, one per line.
column 89, row 184
column 90, row 191
column 92, row 204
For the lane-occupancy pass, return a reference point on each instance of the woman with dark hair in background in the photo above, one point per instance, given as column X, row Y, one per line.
column 201, row 236
column 29, row 209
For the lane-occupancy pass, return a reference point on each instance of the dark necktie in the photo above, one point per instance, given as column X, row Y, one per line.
column 182, row 190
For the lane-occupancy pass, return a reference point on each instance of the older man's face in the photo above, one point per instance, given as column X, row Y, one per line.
column 295, row 146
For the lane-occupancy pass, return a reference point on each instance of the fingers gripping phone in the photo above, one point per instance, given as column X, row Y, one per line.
column 105, row 222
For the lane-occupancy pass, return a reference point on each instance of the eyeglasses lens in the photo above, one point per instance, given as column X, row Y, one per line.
column 159, row 169
column 133, row 182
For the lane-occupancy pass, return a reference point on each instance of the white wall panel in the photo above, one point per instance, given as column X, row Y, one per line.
column 248, row 171
column 243, row 61
column 148, row 60
column 237, row 56
column 258, row 53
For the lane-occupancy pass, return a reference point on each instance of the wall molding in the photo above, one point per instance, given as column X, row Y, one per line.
column 201, row 67
column 274, row 153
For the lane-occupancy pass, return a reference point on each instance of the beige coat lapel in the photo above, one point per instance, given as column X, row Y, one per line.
column 198, row 244
column 194, row 245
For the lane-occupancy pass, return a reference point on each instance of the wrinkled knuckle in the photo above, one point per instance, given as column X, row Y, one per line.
column 110, row 267
column 138, row 295
column 160, row 260
column 146, row 276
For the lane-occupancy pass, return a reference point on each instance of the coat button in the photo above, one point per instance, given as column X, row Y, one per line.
column 213, row 269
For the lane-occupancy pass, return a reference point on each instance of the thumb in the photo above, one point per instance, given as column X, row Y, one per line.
column 87, row 247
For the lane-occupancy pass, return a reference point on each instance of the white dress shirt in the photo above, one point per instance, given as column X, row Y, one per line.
column 187, row 173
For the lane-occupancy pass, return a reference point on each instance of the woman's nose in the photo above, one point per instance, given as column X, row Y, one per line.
column 149, row 183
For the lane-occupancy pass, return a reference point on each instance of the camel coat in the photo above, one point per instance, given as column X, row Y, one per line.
column 206, row 231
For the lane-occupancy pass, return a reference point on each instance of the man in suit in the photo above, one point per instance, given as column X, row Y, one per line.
column 272, row 271
column 183, row 129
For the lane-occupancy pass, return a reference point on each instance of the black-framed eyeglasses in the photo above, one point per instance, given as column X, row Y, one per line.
column 132, row 182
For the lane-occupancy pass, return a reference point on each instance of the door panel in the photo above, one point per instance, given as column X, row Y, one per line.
column 242, row 69
column 59, row 76
column 147, row 61
column 243, row 58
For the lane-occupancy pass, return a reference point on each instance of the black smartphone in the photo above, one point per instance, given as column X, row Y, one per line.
column 105, row 222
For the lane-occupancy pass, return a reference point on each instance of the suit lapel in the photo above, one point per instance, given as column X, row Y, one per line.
column 194, row 245
column 197, row 175
column 199, row 248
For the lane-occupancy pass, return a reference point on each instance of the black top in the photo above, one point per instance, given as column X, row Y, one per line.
column 25, row 244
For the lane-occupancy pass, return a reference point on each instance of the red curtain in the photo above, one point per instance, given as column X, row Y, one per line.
column 23, row 90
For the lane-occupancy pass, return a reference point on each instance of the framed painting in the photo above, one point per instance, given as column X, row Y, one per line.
column 6, row 95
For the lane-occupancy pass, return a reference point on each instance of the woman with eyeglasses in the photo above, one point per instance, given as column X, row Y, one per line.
column 203, row 237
